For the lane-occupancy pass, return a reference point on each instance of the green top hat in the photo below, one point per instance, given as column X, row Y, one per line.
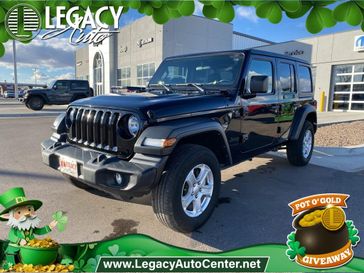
column 14, row 198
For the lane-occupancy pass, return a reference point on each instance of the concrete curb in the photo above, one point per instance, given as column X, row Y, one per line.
column 337, row 122
column 342, row 151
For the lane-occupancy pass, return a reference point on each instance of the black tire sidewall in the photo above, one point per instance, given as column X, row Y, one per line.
column 175, row 177
column 31, row 106
column 307, row 126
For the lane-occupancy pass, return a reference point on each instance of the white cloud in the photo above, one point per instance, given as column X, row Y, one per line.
column 198, row 7
column 247, row 13
column 51, row 54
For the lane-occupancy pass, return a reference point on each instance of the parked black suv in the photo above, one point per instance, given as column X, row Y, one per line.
column 200, row 113
column 60, row 92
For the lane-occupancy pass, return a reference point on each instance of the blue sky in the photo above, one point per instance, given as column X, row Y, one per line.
column 55, row 58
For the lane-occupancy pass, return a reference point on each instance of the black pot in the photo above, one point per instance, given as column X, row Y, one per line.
column 317, row 239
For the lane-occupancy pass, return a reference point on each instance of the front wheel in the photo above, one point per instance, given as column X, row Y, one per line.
column 188, row 191
column 299, row 152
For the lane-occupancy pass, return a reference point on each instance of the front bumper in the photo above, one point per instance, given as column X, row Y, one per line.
column 98, row 169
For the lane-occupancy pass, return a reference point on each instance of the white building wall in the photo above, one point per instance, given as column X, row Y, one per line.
column 195, row 34
column 107, row 51
column 241, row 42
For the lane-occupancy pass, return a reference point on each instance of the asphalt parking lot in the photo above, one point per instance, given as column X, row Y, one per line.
column 252, row 209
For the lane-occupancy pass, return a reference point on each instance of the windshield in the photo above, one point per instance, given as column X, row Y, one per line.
column 214, row 70
column 51, row 84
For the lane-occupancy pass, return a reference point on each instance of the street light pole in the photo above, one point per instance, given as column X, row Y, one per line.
column 15, row 71
column 35, row 75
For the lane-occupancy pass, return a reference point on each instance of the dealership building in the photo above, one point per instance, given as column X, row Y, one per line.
column 131, row 56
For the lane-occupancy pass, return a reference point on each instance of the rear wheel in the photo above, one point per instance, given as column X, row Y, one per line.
column 35, row 103
column 76, row 182
column 188, row 191
column 299, row 152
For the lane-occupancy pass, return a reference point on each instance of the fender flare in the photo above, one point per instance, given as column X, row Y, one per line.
column 299, row 120
column 180, row 129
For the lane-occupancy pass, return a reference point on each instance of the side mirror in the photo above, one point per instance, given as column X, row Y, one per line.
column 54, row 87
column 259, row 84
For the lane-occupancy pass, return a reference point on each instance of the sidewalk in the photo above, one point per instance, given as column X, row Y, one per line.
column 326, row 118
column 346, row 159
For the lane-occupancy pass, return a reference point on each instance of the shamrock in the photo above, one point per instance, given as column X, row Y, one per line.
column 353, row 233
column 114, row 251
column 61, row 220
column 294, row 247
column 66, row 261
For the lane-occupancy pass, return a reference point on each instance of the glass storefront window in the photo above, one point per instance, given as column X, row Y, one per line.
column 348, row 87
column 123, row 76
column 342, row 69
column 342, row 87
column 145, row 73
column 359, row 68
column 345, row 78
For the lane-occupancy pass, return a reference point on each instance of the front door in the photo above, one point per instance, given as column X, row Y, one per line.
column 259, row 125
column 60, row 92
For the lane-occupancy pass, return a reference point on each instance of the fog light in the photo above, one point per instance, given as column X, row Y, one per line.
column 119, row 179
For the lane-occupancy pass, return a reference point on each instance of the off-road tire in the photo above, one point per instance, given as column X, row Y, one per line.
column 76, row 182
column 166, row 196
column 295, row 147
column 35, row 103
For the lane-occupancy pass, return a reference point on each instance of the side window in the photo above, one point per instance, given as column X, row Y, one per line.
column 286, row 77
column 304, row 79
column 61, row 85
column 260, row 77
column 79, row 86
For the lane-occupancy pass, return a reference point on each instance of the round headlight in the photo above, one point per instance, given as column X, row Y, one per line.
column 133, row 125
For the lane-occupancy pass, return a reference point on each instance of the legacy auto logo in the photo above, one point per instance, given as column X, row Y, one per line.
column 23, row 23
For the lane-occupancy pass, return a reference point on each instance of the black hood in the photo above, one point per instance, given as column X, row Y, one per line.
column 160, row 106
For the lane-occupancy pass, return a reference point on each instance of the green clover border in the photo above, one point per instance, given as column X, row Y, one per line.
column 319, row 15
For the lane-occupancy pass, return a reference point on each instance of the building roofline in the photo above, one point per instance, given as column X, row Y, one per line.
column 253, row 37
column 243, row 51
column 312, row 37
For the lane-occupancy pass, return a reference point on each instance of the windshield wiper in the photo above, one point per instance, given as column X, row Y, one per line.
column 197, row 86
column 166, row 87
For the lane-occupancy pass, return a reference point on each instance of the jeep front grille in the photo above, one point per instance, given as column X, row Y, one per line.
column 94, row 128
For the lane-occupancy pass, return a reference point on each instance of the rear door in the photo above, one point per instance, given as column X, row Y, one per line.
column 259, row 125
column 287, row 89
column 79, row 89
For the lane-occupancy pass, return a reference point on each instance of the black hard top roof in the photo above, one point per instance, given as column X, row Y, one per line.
column 246, row 52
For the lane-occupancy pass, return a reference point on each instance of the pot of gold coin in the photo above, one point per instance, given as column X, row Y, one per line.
column 322, row 230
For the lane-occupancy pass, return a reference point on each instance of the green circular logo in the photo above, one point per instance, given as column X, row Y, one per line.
column 23, row 22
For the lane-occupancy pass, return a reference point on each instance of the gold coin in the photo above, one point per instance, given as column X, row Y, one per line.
column 333, row 218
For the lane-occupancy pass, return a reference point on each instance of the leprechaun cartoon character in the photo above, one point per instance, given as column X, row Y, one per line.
column 20, row 214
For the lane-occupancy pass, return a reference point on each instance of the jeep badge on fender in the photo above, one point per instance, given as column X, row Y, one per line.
column 173, row 139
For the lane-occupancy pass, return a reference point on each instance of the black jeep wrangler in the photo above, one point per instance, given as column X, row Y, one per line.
column 199, row 113
column 60, row 92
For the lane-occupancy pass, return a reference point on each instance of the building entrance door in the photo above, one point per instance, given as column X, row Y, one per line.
column 98, row 66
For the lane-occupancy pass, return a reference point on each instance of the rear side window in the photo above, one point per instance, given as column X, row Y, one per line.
column 304, row 79
column 286, row 77
column 79, row 85
column 61, row 85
